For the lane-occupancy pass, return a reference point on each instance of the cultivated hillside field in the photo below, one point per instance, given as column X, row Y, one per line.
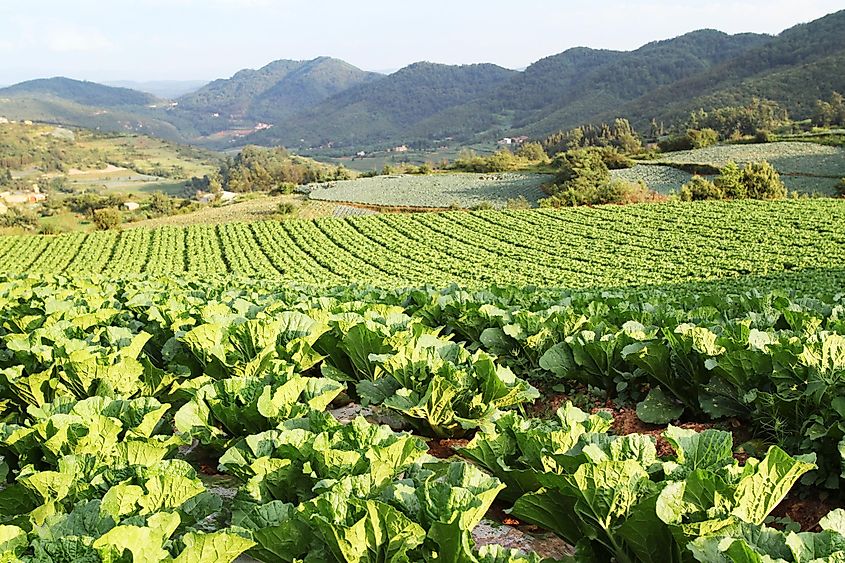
column 590, row 311
column 605, row 246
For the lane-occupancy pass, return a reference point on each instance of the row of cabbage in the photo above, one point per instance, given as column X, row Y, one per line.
column 770, row 361
column 600, row 247
column 91, row 455
column 247, row 370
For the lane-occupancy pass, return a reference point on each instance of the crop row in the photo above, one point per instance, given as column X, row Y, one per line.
column 605, row 246
column 103, row 381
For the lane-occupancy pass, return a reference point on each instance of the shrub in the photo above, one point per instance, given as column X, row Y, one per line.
column 840, row 188
column 501, row 161
column 675, row 143
column 762, row 181
column 287, row 188
column 702, row 138
column 107, row 219
column 692, row 139
column 581, row 169
column 161, row 204
column 49, row 229
column 699, row 189
column 730, row 182
column 522, row 203
column 532, row 152
column 483, row 206
column 286, row 208
column 763, row 136
column 615, row 160
column 17, row 217
column 622, row 192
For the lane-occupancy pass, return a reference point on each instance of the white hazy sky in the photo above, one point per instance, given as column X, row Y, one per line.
column 204, row 39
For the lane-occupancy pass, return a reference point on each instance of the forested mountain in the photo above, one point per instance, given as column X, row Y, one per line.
column 387, row 108
column 573, row 87
column 80, row 92
column 276, row 91
column 798, row 67
column 327, row 101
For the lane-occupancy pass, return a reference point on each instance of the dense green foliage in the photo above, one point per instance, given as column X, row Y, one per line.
column 102, row 381
column 607, row 246
column 583, row 178
column 830, row 112
column 620, row 136
column 257, row 169
column 779, row 69
column 733, row 122
column 758, row 180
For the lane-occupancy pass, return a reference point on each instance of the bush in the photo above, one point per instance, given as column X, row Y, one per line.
column 614, row 159
column 840, row 188
column 161, row 204
column 287, row 188
column 107, row 219
column 49, row 229
column 622, row 192
column 764, row 136
column 675, row 143
column 730, row 182
column 483, row 206
column 501, row 161
column 702, row 138
column 286, row 208
column 532, row 152
column 16, row 217
column 692, row 139
column 522, row 203
column 581, row 169
column 583, row 178
column 699, row 189
column 762, row 181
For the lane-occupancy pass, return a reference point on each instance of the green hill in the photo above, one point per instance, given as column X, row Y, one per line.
column 276, row 91
column 388, row 109
column 326, row 101
column 80, row 92
column 573, row 87
column 796, row 68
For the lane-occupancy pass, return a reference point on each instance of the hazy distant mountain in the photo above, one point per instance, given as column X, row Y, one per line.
column 167, row 89
column 81, row 92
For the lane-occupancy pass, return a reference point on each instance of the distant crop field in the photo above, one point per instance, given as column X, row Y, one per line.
column 604, row 246
column 435, row 190
column 806, row 159
column 661, row 179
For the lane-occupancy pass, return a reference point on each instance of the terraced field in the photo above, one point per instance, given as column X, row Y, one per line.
column 585, row 247
column 435, row 190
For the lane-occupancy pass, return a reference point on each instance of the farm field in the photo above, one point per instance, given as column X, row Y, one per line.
column 797, row 162
column 112, row 380
column 254, row 207
column 667, row 179
column 435, row 190
column 605, row 246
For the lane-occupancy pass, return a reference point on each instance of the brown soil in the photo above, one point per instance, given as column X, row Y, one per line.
column 445, row 448
column 807, row 511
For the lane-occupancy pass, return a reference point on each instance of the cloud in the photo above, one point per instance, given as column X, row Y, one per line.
column 72, row 39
